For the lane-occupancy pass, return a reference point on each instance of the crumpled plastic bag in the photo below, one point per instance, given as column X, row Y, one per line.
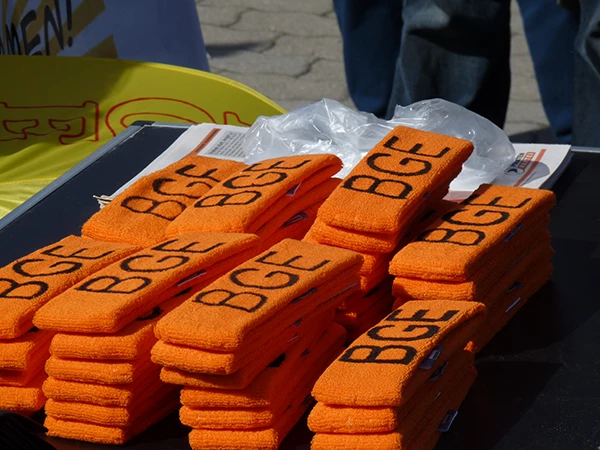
column 328, row 126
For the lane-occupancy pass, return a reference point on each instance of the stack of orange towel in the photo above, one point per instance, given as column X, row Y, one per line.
column 492, row 248
column 375, row 208
column 103, row 386
column 274, row 199
column 400, row 384
column 25, row 286
column 240, row 345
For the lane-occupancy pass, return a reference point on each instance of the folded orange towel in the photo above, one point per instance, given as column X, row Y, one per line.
column 364, row 420
column 360, row 302
column 377, row 276
column 410, row 430
column 454, row 246
column 24, row 353
column 109, row 435
column 26, row 399
column 295, row 228
column 283, row 278
column 369, row 319
column 382, row 367
column 103, row 394
column 140, row 215
column 29, row 282
column 118, row 294
column 393, row 179
column 301, row 361
column 249, row 199
column 350, row 315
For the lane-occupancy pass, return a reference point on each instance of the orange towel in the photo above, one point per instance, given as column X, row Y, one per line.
column 381, row 368
column 505, row 307
column 24, row 353
column 301, row 361
column 285, row 277
column 409, row 430
column 118, row 294
column 364, row 420
column 25, row 399
column 377, row 276
column 140, row 215
column 251, row 198
column 360, row 302
column 121, row 395
column 295, row 228
column 369, row 319
column 393, row 179
column 454, row 246
column 349, row 316
column 109, row 435
column 29, row 282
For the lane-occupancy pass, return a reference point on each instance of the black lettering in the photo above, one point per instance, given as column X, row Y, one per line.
column 354, row 183
column 375, row 351
column 226, row 199
column 288, row 263
column 13, row 46
column 149, row 206
column 419, row 316
column 56, row 24
column 291, row 280
column 126, row 264
column 230, row 183
column 372, row 163
column 450, row 217
column 495, row 202
column 100, row 285
column 189, row 248
column 415, row 150
column 476, row 236
column 275, row 165
column 185, row 172
column 244, row 301
column 432, row 330
column 159, row 184
column 77, row 254
column 13, row 286
column 71, row 267
column 29, row 45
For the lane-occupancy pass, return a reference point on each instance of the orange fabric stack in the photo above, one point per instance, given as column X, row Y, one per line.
column 492, row 248
column 240, row 345
column 400, row 384
column 103, row 386
column 395, row 187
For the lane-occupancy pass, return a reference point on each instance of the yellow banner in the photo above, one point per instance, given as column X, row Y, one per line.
column 55, row 111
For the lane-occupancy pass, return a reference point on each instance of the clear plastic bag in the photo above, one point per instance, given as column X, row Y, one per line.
column 330, row 127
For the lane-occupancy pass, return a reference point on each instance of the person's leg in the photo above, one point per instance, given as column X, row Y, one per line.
column 371, row 34
column 550, row 32
column 457, row 50
column 586, row 103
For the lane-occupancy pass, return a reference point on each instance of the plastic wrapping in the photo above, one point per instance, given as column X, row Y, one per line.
column 330, row 127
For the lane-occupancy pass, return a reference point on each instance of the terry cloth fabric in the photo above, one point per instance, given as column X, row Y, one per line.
column 110, row 435
column 411, row 336
column 129, row 343
column 456, row 245
column 282, row 279
column 496, row 274
column 390, row 183
column 505, row 307
column 140, row 215
column 370, row 318
column 409, row 430
column 118, row 294
column 361, row 420
column 249, row 199
column 349, row 314
column 26, row 353
column 300, row 362
column 260, row 439
column 29, row 282
column 27, row 399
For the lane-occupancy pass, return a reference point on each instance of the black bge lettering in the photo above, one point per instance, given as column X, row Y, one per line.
column 419, row 316
column 399, row 189
column 71, row 267
column 450, row 217
column 244, row 301
column 13, row 286
column 189, row 248
column 179, row 261
column 239, row 198
column 108, row 284
column 415, row 150
column 290, row 280
column 372, row 163
column 374, row 333
column 288, row 263
column 143, row 205
column 375, row 352
column 77, row 254
column 185, row 172
column 160, row 183
column 267, row 181
column 275, row 165
column 471, row 237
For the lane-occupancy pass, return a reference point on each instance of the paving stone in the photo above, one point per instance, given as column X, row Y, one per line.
column 522, row 66
column 220, row 16
column 317, row 7
column 321, row 47
column 295, row 24
column 526, row 112
column 223, row 40
column 519, row 46
column 326, row 70
column 524, row 89
column 245, row 62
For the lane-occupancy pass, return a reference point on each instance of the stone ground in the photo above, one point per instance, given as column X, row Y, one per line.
column 291, row 51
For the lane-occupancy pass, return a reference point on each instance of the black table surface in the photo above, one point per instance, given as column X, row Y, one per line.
column 539, row 378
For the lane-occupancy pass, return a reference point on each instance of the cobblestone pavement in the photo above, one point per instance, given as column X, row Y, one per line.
column 291, row 51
